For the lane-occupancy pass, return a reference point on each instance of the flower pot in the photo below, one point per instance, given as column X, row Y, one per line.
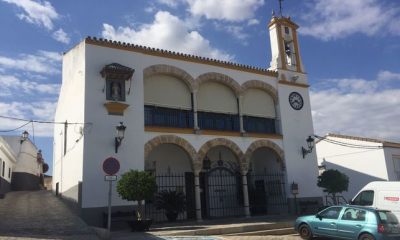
column 140, row 225
column 171, row 216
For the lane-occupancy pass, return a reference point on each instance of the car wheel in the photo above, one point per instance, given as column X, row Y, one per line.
column 366, row 236
column 305, row 232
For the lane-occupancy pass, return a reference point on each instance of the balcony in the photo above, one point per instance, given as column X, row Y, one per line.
column 259, row 125
column 167, row 117
column 218, row 121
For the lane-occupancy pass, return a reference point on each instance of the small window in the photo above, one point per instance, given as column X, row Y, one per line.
column 286, row 30
column 365, row 198
column 352, row 214
column 331, row 213
column 9, row 172
column 4, row 166
column 386, row 217
column 115, row 90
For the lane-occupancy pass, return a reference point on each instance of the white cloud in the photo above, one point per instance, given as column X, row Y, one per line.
column 252, row 22
column 43, row 62
column 236, row 31
column 170, row 3
column 334, row 19
column 40, row 110
column 61, row 36
column 229, row 10
column 388, row 76
column 39, row 12
column 167, row 32
column 12, row 86
column 357, row 107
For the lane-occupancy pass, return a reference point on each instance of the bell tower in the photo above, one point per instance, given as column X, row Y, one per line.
column 284, row 45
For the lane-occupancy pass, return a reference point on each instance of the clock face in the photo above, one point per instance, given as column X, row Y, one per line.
column 296, row 100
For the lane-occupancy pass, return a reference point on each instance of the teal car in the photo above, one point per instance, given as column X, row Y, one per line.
column 349, row 222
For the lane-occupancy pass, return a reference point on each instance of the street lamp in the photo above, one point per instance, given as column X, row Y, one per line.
column 120, row 135
column 24, row 136
column 310, row 143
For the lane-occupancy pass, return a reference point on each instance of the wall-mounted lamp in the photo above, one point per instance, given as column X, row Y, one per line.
column 24, row 136
column 120, row 135
column 310, row 143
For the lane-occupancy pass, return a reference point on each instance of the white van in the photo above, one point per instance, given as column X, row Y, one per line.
column 381, row 195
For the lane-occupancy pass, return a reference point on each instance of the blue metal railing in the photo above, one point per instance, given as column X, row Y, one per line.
column 218, row 121
column 167, row 117
column 259, row 125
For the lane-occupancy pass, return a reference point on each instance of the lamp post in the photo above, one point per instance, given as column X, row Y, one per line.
column 24, row 136
column 310, row 144
column 120, row 135
column 294, row 189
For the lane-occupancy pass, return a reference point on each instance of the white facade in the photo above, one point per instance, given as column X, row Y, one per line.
column 7, row 165
column 374, row 160
column 189, row 85
column 23, row 165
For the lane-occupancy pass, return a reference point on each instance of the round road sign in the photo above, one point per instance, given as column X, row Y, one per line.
column 111, row 166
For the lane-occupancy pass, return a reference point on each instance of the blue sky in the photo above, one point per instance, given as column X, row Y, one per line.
column 350, row 49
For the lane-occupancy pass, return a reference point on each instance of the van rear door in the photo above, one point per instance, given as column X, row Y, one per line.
column 389, row 200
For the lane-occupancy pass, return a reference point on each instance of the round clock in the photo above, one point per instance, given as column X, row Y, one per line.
column 296, row 100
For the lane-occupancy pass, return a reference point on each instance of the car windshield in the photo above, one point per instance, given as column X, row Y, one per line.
column 387, row 217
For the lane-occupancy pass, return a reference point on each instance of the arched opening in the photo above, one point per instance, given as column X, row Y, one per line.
column 221, row 185
column 217, row 107
column 168, row 97
column 170, row 159
column 266, row 182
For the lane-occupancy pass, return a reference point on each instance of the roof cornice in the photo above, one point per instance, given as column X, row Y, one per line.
column 177, row 56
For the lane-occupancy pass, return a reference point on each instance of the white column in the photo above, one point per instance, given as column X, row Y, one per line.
column 240, row 99
column 197, row 196
column 196, row 124
column 245, row 195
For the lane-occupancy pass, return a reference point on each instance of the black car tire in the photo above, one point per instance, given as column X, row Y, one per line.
column 366, row 236
column 305, row 232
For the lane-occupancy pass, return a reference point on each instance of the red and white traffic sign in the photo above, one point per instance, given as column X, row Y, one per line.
column 111, row 166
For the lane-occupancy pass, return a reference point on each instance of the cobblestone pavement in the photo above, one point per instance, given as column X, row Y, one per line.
column 39, row 215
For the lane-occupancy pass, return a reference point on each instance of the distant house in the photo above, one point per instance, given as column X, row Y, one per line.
column 21, row 165
column 362, row 159
column 7, row 164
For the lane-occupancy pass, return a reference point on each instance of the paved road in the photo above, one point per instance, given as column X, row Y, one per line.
column 39, row 214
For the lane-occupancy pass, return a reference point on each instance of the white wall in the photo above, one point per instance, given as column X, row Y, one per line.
column 67, row 168
column 296, row 127
column 360, row 165
column 8, row 157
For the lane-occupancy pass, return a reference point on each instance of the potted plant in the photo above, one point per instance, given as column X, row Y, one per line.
column 137, row 186
column 173, row 202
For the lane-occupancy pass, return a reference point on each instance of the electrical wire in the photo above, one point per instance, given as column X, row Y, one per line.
column 350, row 145
column 11, row 130
column 39, row 121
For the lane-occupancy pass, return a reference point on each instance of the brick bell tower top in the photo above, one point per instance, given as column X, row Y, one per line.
column 284, row 44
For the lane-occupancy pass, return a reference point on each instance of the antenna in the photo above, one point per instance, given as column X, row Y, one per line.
column 280, row 7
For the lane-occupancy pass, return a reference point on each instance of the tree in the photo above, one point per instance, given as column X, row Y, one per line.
column 137, row 186
column 333, row 182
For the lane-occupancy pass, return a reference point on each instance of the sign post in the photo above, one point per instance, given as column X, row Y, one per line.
column 110, row 167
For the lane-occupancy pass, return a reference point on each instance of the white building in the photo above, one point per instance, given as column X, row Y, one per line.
column 363, row 160
column 21, row 166
column 7, row 163
column 230, row 134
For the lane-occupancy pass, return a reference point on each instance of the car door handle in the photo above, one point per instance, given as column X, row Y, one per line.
column 333, row 223
column 358, row 225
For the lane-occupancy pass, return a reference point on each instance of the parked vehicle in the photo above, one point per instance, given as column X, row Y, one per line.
column 380, row 194
column 350, row 222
